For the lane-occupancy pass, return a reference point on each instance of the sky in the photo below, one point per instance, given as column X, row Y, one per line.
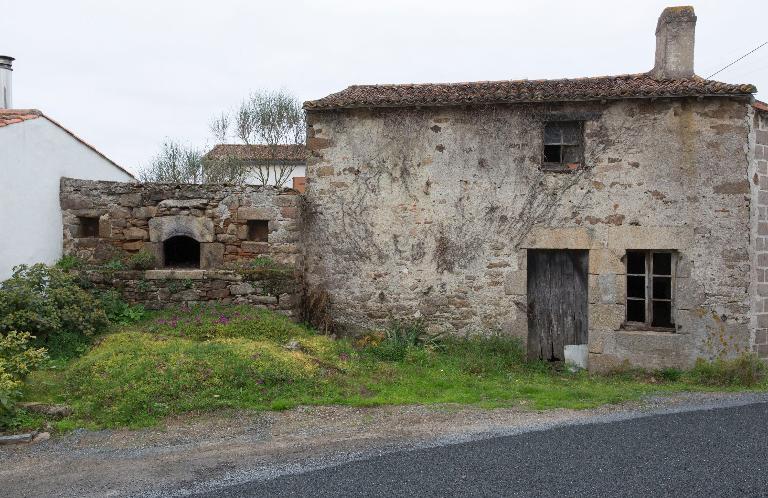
column 126, row 75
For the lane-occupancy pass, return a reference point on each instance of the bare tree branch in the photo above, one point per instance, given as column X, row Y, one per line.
column 219, row 127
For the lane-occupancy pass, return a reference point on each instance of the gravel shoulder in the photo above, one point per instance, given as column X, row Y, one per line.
column 198, row 453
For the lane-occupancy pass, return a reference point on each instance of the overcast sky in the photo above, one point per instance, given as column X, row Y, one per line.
column 124, row 75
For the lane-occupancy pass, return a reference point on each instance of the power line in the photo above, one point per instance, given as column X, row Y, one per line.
column 737, row 60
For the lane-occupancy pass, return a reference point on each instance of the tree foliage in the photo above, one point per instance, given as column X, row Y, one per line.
column 269, row 118
column 179, row 163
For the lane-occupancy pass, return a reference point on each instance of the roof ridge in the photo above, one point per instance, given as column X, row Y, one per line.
column 631, row 85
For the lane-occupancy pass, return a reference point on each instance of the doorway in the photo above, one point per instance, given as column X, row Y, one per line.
column 557, row 301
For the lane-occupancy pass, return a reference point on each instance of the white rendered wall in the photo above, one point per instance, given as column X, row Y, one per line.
column 34, row 155
column 299, row 170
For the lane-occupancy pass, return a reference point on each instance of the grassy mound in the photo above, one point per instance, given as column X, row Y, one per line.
column 242, row 357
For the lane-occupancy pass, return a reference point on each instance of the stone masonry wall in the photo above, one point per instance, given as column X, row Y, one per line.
column 430, row 212
column 157, row 289
column 136, row 216
column 133, row 216
column 760, row 231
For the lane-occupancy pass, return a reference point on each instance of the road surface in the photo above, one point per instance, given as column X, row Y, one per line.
column 712, row 452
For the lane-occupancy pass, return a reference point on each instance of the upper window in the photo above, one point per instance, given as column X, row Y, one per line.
column 650, row 288
column 89, row 226
column 563, row 146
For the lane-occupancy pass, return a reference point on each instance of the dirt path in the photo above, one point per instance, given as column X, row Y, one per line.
column 198, row 453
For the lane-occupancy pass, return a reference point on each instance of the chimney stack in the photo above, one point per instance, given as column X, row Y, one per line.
column 675, row 33
column 6, row 71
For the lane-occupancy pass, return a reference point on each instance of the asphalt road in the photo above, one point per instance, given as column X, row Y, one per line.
column 718, row 452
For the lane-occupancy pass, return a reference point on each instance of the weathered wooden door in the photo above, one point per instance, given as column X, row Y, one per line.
column 557, row 301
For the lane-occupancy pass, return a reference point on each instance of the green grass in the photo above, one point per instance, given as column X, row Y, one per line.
column 215, row 357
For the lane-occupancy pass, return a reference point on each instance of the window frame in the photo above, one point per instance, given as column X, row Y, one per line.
column 649, row 298
column 562, row 167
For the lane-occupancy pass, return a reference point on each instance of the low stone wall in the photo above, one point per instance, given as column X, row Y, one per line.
column 155, row 289
column 105, row 223
column 135, row 216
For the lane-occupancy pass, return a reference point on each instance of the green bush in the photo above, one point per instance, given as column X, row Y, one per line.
column 402, row 337
column 17, row 359
column 46, row 301
column 115, row 264
column 142, row 260
column 117, row 310
column 69, row 262
column 746, row 370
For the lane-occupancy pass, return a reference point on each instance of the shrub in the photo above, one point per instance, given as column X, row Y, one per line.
column 117, row 310
column 115, row 264
column 69, row 262
column 17, row 359
column 46, row 301
column 142, row 260
column 745, row 370
column 401, row 337
column 263, row 262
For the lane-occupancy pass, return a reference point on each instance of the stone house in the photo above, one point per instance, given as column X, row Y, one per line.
column 615, row 219
column 35, row 152
column 285, row 162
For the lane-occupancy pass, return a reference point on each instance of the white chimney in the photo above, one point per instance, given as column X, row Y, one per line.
column 675, row 33
column 6, row 71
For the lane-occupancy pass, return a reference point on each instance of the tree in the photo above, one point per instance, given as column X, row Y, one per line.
column 178, row 163
column 270, row 118
column 274, row 119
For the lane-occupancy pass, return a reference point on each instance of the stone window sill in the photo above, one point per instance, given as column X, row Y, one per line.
column 641, row 327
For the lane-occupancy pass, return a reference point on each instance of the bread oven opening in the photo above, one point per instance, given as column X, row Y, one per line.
column 181, row 252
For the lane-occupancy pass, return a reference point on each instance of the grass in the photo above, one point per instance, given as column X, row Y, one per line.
column 214, row 357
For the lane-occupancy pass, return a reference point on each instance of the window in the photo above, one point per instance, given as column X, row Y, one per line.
column 563, row 146
column 89, row 226
column 258, row 230
column 650, row 288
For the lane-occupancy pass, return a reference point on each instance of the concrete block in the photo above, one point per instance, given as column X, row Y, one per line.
column 576, row 356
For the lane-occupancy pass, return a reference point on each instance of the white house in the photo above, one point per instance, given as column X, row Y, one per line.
column 35, row 153
column 288, row 162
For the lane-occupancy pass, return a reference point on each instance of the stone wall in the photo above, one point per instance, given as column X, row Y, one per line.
column 156, row 289
column 760, row 232
column 136, row 216
column 133, row 216
column 429, row 212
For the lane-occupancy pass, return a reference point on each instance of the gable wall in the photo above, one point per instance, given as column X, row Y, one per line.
column 34, row 155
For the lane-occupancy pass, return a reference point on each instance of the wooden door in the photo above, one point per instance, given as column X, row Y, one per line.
column 557, row 301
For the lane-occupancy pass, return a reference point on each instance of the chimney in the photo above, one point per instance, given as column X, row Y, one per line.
column 6, row 71
column 675, row 33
